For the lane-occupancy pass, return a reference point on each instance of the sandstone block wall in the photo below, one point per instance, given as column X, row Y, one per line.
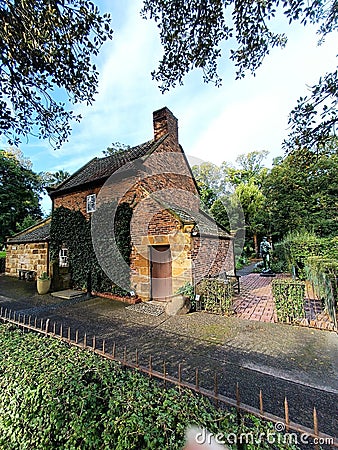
column 30, row 256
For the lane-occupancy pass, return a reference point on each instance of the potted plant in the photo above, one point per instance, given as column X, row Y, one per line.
column 43, row 283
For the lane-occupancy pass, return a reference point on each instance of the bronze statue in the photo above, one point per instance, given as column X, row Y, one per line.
column 264, row 250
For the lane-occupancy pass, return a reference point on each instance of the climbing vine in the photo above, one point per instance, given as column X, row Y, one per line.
column 70, row 228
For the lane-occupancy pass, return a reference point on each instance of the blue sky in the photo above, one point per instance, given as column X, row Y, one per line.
column 215, row 124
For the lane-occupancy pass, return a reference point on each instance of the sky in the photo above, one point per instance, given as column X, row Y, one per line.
column 215, row 124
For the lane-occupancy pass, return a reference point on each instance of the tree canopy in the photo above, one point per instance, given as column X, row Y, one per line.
column 192, row 32
column 298, row 193
column 46, row 48
column 116, row 148
column 20, row 190
column 301, row 192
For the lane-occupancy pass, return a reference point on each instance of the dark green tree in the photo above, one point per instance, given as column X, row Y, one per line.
column 301, row 192
column 192, row 32
column 46, row 49
column 252, row 201
column 20, row 190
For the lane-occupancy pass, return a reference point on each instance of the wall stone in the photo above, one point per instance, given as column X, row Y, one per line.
column 29, row 256
column 152, row 225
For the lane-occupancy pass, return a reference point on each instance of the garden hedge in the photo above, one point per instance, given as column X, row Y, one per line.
column 58, row 397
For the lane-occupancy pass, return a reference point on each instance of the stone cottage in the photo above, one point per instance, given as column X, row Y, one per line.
column 172, row 241
column 27, row 253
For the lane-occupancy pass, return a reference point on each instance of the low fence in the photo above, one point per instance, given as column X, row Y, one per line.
column 44, row 327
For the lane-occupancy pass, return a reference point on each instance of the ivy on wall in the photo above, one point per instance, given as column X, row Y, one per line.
column 70, row 228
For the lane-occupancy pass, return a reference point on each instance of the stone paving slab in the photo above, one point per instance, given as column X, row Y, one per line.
column 67, row 294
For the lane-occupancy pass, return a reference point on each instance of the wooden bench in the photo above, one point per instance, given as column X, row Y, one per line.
column 25, row 274
column 233, row 279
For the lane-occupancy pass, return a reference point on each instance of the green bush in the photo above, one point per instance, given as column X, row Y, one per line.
column 2, row 255
column 323, row 273
column 58, row 397
column 216, row 295
column 289, row 297
column 297, row 247
column 188, row 290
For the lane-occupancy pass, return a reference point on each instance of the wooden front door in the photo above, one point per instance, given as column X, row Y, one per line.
column 161, row 283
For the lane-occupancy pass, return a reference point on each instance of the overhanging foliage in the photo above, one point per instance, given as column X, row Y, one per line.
column 46, row 46
column 192, row 32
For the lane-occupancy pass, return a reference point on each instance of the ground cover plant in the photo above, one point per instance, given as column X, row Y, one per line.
column 56, row 396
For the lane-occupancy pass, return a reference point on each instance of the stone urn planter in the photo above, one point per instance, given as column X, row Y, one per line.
column 43, row 283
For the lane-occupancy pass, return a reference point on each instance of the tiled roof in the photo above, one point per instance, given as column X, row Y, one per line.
column 204, row 224
column 36, row 233
column 207, row 226
column 103, row 168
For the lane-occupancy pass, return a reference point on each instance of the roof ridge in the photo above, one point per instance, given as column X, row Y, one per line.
column 54, row 188
column 125, row 152
column 32, row 227
column 39, row 232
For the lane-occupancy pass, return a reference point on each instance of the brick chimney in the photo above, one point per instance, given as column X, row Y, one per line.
column 165, row 122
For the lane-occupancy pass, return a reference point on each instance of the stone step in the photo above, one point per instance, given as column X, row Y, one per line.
column 68, row 294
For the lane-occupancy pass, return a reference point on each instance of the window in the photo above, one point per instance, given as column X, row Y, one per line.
column 63, row 257
column 91, row 203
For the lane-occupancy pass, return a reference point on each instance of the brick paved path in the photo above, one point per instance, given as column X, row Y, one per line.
column 255, row 301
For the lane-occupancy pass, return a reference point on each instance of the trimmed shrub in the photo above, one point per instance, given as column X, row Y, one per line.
column 294, row 250
column 216, row 295
column 323, row 274
column 289, row 297
column 2, row 262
